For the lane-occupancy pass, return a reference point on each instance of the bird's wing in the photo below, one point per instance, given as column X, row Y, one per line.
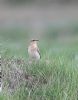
column 38, row 52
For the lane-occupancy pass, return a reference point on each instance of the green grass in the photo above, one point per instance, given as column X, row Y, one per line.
column 56, row 73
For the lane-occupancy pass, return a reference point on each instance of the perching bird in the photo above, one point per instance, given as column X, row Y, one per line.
column 33, row 50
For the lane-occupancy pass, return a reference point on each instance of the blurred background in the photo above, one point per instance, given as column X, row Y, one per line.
column 55, row 24
column 50, row 21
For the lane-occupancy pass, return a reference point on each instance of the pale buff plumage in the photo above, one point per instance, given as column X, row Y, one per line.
column 33, row 50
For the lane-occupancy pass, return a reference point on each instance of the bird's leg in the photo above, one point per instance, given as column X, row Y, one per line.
column 30, row 60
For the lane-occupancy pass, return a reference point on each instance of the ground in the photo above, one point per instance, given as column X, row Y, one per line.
column 54, row 77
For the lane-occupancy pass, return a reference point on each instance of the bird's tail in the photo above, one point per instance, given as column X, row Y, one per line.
column 0, row 75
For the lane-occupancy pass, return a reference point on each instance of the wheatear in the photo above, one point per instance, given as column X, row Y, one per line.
column 33, row 50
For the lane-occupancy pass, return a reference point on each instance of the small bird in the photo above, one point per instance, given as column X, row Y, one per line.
column 33, row 50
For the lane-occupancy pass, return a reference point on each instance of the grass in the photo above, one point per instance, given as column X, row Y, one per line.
column 54, row 77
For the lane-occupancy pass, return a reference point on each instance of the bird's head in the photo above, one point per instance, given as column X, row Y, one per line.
column 34, row 42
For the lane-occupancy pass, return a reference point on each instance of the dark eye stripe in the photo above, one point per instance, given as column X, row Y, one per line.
column 34, row 40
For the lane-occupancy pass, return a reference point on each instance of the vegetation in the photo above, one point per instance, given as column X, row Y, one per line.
column 54, row 77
